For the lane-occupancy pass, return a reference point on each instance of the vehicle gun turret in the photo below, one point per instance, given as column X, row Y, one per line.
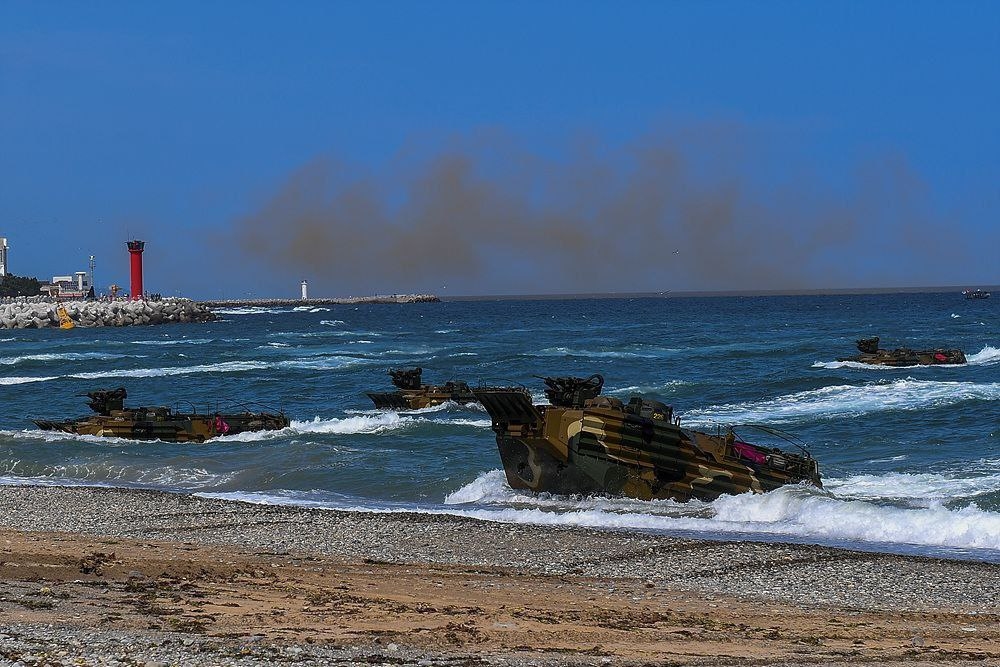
column 103, row 401
column 571, row 392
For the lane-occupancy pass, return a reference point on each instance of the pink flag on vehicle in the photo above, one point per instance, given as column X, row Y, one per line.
column 749, row 452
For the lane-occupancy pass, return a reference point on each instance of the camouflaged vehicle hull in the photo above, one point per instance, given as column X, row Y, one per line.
column 416, row 399
column 412, row 395
column 903, row 356
column 906, row 357
column 114, row 420
column 601, row 449
column 159, row 424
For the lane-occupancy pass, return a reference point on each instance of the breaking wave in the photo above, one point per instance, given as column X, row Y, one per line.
column 791, row 513
column 66, row 356
column 375, row 423
column 794, row 512
column 848, row 400
column 316, row 363
column 104, row 474
column 985, row 357
column 24, row 380
column 914, row 488
column 366, row 424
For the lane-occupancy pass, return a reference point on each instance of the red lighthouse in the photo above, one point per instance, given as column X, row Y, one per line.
column 135, row 249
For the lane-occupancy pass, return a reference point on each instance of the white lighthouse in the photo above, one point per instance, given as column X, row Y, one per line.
column 3, row 256
column 305, row 290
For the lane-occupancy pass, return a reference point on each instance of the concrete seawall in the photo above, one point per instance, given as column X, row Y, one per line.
column 36, row 313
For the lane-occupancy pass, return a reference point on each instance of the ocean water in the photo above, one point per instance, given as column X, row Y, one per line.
column 910, row 457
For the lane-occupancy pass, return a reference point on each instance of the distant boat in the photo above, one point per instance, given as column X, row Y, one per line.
column 976, row 294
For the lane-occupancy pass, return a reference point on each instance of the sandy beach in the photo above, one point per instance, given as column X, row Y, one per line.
column 108, row 576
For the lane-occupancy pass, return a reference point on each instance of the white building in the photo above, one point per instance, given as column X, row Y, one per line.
column 3, row 256
column 75, row 286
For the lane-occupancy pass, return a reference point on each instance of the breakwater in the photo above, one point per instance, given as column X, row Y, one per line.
column 343, row 301
column 42, row 313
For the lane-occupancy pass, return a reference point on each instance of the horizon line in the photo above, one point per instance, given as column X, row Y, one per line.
column 820, row 291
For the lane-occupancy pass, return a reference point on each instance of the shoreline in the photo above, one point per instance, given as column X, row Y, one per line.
column 241, row 583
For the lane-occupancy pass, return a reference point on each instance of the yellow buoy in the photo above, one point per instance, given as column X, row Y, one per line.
column 64, row 319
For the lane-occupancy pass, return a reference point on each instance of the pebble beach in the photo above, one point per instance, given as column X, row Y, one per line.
column 97, row 576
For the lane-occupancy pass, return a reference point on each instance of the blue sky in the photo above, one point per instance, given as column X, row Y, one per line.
column 496, row 148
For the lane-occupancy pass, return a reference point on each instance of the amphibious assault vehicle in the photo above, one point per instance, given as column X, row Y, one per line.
column 413, row 396
column 113, row 419
column 903, row 356
column 586, row 443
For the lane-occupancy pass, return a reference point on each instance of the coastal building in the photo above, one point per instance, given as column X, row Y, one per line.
column 76, row 286
column 3, row 256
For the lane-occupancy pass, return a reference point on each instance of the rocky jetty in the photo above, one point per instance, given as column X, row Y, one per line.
column 342, row 301
column 41, row 313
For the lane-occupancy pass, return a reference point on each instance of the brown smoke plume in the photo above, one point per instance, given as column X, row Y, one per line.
column 687, row 212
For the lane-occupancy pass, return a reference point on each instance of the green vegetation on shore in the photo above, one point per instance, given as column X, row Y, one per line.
column 12, row 285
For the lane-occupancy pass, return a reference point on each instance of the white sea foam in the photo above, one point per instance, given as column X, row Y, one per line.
column 332, row 323
column 379, row 423
column 59, row 436
column 987, row 356
column 847, row 400
column 476, row 423
column 901, row 457
column 832, row 365
column 179, row 341
column 664, row 388
column 66, row 356
column 160, row 476
column 920, row 487
column 793, row 512
column 221, row 367
column 320, row 363
column 610, row 354
column 24, row 380
column 376, row 422
column 182, row 477
column 316, row 363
